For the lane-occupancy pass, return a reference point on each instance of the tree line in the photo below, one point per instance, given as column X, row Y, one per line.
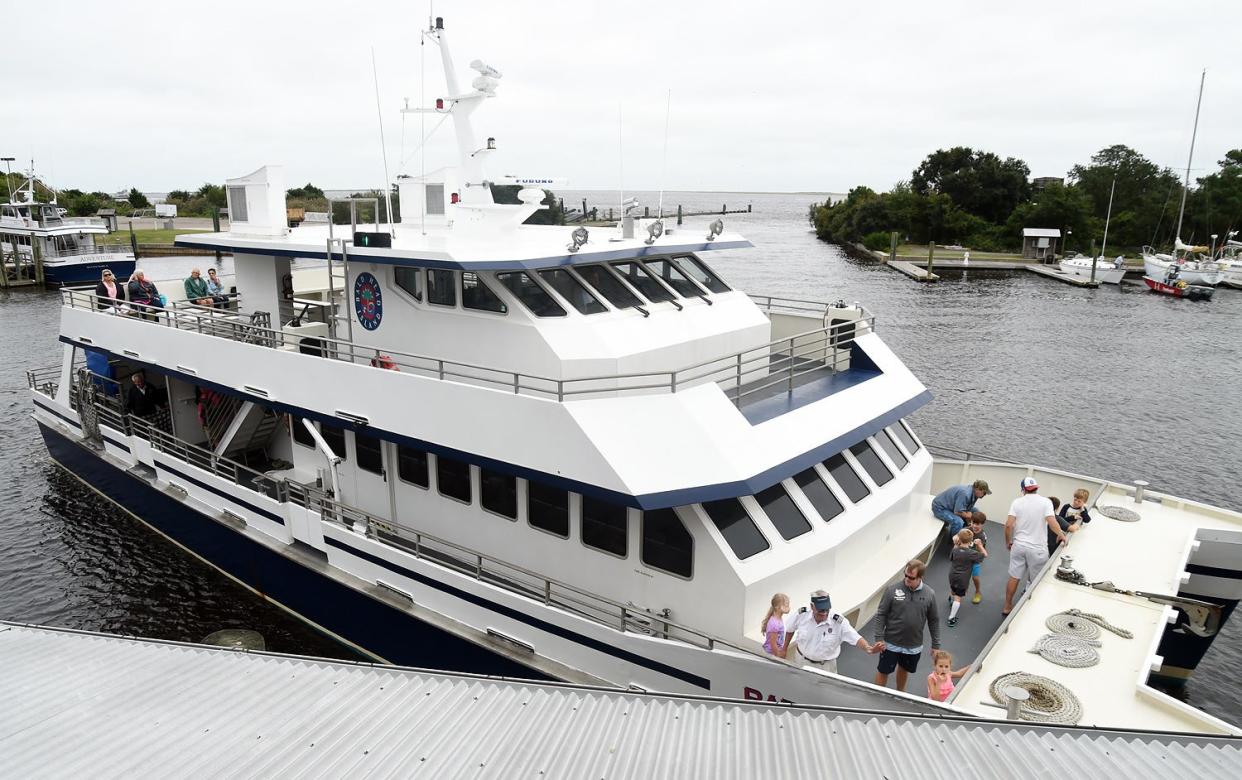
column 975, row 199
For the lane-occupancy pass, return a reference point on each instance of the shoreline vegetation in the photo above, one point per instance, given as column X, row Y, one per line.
column 973, row 199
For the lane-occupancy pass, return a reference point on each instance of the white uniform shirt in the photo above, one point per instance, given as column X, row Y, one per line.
column 822, row 641
column 1030, row 528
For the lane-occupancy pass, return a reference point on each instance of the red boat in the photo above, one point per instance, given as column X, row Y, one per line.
column 1180, row 289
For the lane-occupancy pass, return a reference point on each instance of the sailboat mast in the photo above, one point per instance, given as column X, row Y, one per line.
column 1186, row 185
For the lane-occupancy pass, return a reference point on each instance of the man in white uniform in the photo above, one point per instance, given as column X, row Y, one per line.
column 1026, row 535
column 818, row 634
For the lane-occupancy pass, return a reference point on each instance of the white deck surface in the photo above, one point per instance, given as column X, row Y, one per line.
column 1149, row 555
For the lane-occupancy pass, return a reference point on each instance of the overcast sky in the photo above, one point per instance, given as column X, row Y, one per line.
column 811, row 95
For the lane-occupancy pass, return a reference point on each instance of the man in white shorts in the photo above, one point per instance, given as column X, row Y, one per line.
column 1026, row 535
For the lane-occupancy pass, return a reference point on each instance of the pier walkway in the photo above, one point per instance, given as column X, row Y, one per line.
column 86, row 704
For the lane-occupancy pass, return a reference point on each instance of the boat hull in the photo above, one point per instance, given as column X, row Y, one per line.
column 87, row 268
column 383, row 631
column 1105, row 273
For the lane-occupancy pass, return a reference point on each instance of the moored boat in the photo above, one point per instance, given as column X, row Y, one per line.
column 1104, row 271
column 64, row 246
column 1179, row 288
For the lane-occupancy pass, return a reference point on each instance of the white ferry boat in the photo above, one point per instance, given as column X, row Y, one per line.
column 580, row 452
column 65, row 246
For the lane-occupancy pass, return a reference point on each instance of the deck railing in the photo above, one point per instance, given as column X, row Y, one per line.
column 99, row 249
column 107, row 409
column 740, row 374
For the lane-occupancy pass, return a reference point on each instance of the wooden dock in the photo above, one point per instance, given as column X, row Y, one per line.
column 917, row 270
column 913, row 271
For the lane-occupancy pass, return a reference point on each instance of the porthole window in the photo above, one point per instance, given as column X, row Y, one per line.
column 844, row 475
column 412, row 466
column 605, row 526
column 547, row 508
column 667, row 545
column 498, row 493
column 783, row 512
column 440, row 288
column 870, row 461
column 532, row 296
column 735, row 525
column 475, row 294
column 818, row 493
column 453, row 478
column 370, row 453
column 889, row 445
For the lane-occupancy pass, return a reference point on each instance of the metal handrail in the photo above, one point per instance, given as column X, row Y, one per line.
column 98, row 249
column 511, row 577
column 730, row 370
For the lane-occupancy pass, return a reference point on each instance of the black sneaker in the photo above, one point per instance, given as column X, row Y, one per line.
column 952, row 622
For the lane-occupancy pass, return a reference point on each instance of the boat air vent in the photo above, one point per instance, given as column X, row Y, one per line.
column 356, row 419
column 256, row 391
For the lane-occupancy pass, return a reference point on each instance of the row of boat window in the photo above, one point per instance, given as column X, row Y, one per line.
column 624, row 284
column 742, row 534
column 665, row 543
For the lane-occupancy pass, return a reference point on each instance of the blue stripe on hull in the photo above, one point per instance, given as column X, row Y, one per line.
column 383, row 630
column 79, row 273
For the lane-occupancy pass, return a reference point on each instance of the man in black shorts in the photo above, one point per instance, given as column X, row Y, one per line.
column 904, row 610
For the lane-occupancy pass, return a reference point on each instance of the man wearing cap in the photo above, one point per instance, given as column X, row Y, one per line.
column 1026, row 535
column 955, row 506
column 905, row 608
column 818, row 634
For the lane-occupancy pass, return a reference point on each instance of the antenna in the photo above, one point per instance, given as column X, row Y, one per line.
column 664, row 172
column 8, row 179
column 620, row 170
column 383, row 149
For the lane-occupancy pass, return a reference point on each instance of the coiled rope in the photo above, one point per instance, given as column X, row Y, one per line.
column 1082, row 625
column 1119, row 513
column 1065, row 650
column 1050, row 702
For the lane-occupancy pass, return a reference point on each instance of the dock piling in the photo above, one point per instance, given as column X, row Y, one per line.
column 931, row 253
column 892, row 246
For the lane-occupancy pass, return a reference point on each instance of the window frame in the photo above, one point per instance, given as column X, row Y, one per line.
column 779, row 530
column 295, row 425
column 724, row 538
column 885, row 435
column 865, row 443
column 582, row 501
column 706, row 269
column 827, row 486
column 343, row 451
column 640, row 301
column 697, row 289
column 652, row 277
column 642, row 544
column 517, row 503
column 420, row 283
column 379, row 450
column 452, row 286
column 918, row 445
column 844, row 490
column 500, row 280
column 569, row 510
column 593, row 294
column 426, row 467
column 482, row 284
column 469, row 480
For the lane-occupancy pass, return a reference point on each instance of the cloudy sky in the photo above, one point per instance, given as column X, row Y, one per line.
column 808, row 96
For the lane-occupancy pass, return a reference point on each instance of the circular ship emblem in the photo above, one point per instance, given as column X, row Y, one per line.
column 368, row 301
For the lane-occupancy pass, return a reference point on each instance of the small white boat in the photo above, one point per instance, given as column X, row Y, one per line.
column 1231, row 264
column 1106, row 271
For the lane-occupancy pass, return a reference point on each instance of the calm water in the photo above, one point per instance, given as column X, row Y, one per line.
column 1119, row 384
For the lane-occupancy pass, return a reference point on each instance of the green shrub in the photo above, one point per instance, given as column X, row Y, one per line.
column 877, row 241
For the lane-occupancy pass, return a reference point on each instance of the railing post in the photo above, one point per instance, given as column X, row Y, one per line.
column 515, row 383
column 547, row 591
column 623, row 618
column 478, row 567
column 791, row 365
column 672, row 380
column 441, row 365
column 737, row 391
column 560, row 390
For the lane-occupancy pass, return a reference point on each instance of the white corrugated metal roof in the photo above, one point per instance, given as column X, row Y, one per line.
column 75, row 703
column 1041, row 233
